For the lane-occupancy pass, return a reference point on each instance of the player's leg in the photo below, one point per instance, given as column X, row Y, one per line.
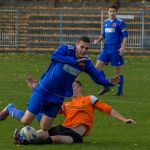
column 42, row 137
column 61, row 134
column 50, row 111
column 35, row 106
column 24, row 117
column 28, row 118
column 41, row 134
column 102, row 60
column 99, row 64
column 11, row 110
column 52, row 136
column 46, row 122
column 117, row 62
column 57, row 134
column 118, row 71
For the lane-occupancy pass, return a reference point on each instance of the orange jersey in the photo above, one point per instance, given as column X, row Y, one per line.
column 81, row 111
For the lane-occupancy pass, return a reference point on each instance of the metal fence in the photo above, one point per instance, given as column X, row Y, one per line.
column 8, row 26
column 45, row 30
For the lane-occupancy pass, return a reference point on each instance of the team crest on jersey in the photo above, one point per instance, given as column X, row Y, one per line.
column 114, row 25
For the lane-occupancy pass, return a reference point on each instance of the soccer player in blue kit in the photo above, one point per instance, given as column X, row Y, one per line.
column 115, row 37
column 67, row 62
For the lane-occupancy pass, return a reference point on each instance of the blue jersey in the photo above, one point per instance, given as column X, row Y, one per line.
column 114, row 31
column 64, row 69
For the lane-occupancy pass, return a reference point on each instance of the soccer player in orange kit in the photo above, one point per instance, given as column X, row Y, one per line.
column 79, row 114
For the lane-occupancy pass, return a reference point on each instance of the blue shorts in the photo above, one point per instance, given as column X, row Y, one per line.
column 110, row 54
column 44, row 102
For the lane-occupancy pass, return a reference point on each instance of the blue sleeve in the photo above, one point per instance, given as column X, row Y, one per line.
column 124, row 32
column 97, row 76
column 62, row 55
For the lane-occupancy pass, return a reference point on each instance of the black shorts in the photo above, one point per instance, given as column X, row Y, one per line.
column 61, row 130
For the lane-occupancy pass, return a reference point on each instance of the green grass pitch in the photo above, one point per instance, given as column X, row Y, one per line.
column 108, row 133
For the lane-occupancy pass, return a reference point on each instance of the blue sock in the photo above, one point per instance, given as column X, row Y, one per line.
column 120, row 84
column 39, row 117
column 15, row 113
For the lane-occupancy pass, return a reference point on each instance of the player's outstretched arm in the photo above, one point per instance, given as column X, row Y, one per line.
column 118, row 116
column 98, row 40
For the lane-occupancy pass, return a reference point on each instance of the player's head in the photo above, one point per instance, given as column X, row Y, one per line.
column 77, row 88
column 82, row 46
column 112, row 11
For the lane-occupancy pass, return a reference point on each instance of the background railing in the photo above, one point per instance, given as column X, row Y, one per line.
column 42, row 30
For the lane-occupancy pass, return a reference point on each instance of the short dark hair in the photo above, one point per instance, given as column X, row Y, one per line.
column 114, row 7
column 84, row 39
column 78, row 83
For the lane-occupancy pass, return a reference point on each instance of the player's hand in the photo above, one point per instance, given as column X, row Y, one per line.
column 82, row 59
column 122, row 51
column 31, row 82
column 81, row 62
column 114, row 80
column 96, row 41
column 130, row 121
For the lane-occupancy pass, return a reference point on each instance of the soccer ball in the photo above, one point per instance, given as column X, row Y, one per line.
column 28, row 133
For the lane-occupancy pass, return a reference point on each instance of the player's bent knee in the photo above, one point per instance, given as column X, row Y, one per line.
column 26, row 122
column 27, row 118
